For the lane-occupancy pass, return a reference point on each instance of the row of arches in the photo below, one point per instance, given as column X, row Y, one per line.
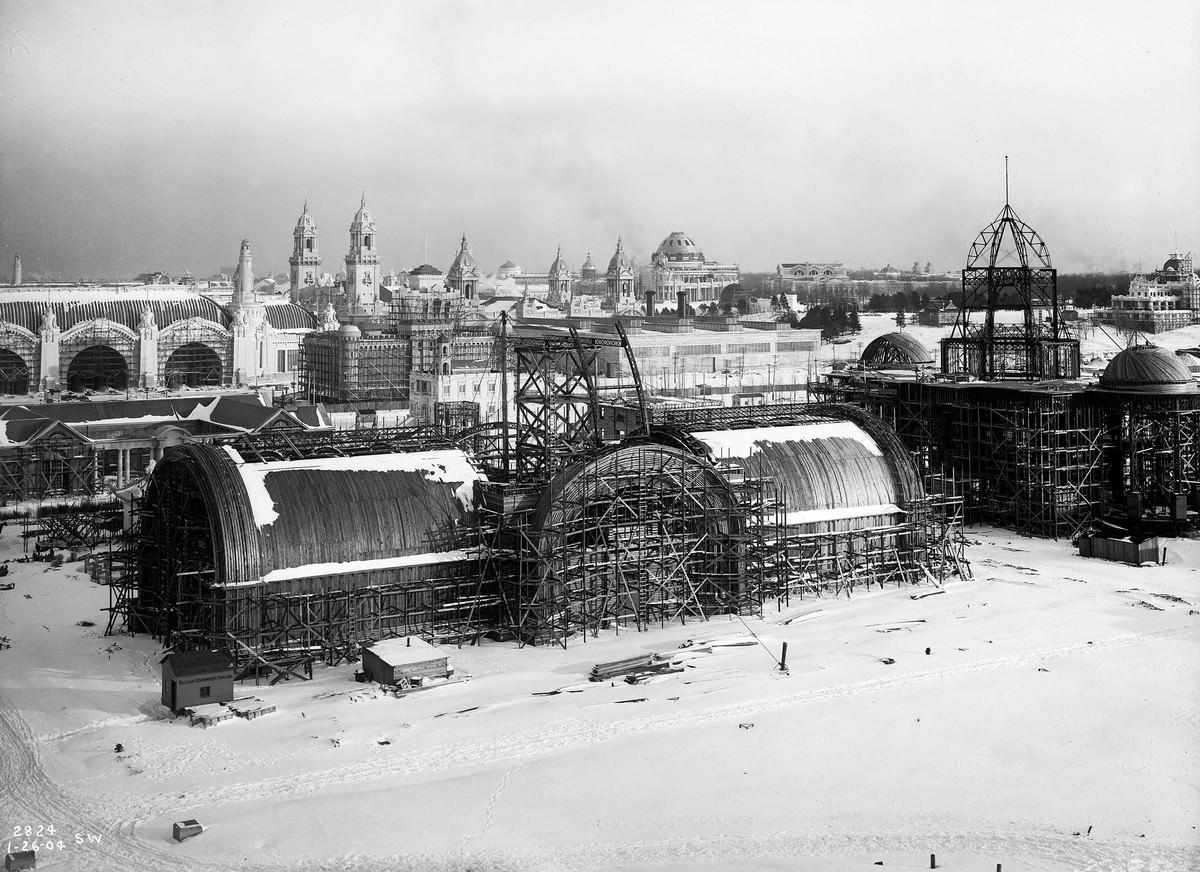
column 100, row 367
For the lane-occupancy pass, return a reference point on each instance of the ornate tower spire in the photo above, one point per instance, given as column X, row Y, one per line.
column 362, row 262
column 620, row 277
column 559, row 279
column 463, row 275
column 305, row 262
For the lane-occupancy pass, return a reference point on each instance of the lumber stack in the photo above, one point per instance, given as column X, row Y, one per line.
column 631, row 667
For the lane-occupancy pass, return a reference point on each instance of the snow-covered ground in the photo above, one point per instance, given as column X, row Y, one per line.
column 1053, row 725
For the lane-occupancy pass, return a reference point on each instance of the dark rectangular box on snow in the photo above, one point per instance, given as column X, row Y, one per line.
column 20, row 860
column 186, row 829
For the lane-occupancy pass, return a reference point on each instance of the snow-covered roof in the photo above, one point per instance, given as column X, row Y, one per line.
column 745, row 443
column 290, row 520
column 405, row 650
column 442, row 465
column 309, row 570
column 822, row 470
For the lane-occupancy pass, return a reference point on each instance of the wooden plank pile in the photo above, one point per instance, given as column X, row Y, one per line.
column 635, row 669
column 250, row 707
column 208, row 715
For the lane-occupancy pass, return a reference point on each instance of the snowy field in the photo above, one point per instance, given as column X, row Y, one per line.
column 1053, row 725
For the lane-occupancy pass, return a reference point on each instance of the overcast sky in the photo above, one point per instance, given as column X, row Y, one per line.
column 157, row 135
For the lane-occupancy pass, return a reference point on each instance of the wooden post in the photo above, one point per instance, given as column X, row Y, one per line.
column 933, row 861
column 783, row 658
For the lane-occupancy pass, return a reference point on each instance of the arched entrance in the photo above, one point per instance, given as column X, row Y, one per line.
column 194, row 365
column 14, row 373
column 97, row 368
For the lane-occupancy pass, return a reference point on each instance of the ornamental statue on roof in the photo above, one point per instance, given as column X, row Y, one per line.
column 329, row 319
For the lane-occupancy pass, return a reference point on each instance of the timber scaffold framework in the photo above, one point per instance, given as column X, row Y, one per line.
column 573, row 534
column 163, row 578
column 653, row 531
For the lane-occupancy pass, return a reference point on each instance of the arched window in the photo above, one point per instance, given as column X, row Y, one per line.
column 14, row 374
column 194, row 365
column 98, row 367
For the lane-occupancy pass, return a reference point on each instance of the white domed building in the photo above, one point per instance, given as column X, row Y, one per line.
column 1167, row 299
column 679, row 267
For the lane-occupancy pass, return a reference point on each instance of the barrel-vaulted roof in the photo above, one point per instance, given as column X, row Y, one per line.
column 72, row 305
column 816, row 467
column 290, row 316
column 833, row 464
column 308, row 518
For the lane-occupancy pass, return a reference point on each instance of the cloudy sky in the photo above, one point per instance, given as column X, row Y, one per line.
column 139, row 135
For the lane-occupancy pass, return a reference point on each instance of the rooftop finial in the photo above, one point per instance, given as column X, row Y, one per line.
column 305, row 212
column 363, row 204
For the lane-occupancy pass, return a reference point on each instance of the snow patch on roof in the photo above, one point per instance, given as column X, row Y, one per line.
column 262, row 506
column 441, row 465
column 744, row 443
column 310, row 570
column 203, row 412
column 841, row 513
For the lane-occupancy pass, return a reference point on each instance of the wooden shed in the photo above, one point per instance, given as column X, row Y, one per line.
column 1120, row 550
column 407, row 657
column 191, row 678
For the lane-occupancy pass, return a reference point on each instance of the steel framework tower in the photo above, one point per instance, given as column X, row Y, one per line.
column 1009, row 270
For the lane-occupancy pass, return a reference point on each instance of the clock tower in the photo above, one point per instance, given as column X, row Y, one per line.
column 362, row 263
column 305, row 261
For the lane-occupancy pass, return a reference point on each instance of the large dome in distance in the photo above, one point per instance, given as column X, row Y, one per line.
column 1148, row 369
column 679, row 247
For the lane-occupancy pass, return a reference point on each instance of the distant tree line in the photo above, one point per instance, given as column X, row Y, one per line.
column 1088, row 290
column 832, row 321
column 898, row 302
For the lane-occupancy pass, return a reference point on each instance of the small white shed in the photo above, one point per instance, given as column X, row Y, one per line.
column 391, row 660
